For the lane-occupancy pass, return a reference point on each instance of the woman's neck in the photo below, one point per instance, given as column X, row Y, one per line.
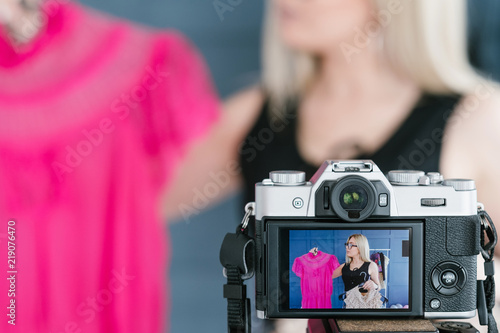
column 364, row 74
column 356, row 261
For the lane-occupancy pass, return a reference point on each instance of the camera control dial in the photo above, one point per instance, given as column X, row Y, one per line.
column 405, row 177
column 288, row 178
column 460, row 184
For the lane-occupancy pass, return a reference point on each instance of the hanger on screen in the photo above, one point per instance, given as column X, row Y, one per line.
column 314, row 250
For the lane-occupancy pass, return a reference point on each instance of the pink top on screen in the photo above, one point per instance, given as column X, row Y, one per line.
column 94, row 115
column 316, row 284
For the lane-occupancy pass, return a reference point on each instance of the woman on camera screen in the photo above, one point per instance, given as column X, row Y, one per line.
column 360, row 275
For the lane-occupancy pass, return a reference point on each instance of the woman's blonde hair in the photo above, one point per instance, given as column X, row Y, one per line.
column 363, row 248
column 423, row 39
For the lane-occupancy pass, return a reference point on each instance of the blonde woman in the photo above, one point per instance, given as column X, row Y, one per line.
column 387, row 80
column 359, row 273
column 358, row 268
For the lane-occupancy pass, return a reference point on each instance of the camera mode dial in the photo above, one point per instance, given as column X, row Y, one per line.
column 460, row 184
column 288, row 178
column 405, row 177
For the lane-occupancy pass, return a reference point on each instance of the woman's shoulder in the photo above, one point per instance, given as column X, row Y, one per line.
column 372, row 267
column 472, row 133
column 250, row 100
column 478, row 108
column 471, row 143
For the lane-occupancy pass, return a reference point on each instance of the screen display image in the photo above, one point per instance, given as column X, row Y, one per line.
column 349, row 269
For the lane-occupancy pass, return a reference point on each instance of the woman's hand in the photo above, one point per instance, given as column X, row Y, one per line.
column 370, row 285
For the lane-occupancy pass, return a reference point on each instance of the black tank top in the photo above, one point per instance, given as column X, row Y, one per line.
column 356, row 277
column 271, row 144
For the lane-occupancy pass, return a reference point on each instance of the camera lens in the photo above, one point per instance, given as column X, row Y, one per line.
column 353, row 198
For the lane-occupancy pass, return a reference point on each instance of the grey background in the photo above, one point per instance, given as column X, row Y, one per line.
column 230, row 46
column 231, row 49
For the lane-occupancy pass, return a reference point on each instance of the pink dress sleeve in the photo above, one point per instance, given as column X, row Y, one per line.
column 334, row 263
column 185, row 102
column 298, row 268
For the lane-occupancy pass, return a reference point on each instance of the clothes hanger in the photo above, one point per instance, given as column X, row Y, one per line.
column 314, row 250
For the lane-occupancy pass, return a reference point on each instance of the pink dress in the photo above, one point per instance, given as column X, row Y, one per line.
column 94, row 116
column 316, row 283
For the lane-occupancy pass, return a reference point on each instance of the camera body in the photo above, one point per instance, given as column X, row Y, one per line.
column 422, row 233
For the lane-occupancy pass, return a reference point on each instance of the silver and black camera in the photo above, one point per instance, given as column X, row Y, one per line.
column 418, row 234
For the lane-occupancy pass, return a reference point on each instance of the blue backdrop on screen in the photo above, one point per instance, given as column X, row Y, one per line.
column 388, row 242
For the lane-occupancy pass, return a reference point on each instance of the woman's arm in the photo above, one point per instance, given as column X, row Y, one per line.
column 374, row 282
column 210, row 171
column 337, row 272
column 471, row 147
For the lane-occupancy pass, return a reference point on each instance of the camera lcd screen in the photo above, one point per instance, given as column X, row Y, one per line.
column 349, row 269
column 306, row 261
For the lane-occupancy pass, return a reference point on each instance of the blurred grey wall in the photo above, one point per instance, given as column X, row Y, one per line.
column 484, row 36
column 228, row 39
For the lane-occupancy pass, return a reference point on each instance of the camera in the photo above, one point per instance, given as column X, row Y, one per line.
column 352, row 242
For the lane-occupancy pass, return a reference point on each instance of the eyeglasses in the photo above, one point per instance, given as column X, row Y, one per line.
column 350, row 246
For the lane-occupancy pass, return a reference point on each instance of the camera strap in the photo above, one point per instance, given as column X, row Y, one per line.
column 487, row 289
column 237, row 255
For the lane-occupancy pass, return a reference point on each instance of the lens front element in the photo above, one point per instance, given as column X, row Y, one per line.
column 353, row 198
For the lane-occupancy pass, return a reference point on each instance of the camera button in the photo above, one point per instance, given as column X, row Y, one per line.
column 448, row 278
column 298, row 203
column 326, row 198
column 383, row 199
column 435, row 177
column 435, row 303
column 449, row 291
